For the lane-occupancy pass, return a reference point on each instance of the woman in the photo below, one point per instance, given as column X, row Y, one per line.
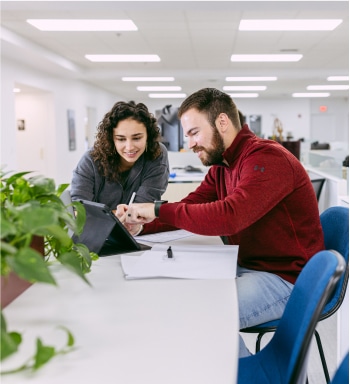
column 126, row 157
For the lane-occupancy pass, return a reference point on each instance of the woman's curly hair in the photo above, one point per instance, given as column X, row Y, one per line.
column 104, row 152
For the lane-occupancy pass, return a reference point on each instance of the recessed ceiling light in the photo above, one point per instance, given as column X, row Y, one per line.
column 244, row 88
column 167, row 95
column 336, row 87
column 242, row 95
column 252, row 78
column 266, row 58
column 289, row 25
column 16, row 90
column 309, row 94
column 123, row 58
column 338, row 78
column 82, row 25
column 160, row 88
column 148, row 78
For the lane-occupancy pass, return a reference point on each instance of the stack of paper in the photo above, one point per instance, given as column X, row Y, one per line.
column 188, row 262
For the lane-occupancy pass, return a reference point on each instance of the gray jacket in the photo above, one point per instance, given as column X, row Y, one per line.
column 148, row 178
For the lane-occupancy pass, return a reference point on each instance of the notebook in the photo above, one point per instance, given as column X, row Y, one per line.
column 104, row 234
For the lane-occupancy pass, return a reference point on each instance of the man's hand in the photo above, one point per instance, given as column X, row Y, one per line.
column 140, row 213
column 121, row 213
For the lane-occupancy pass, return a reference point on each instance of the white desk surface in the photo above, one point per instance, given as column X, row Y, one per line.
column 129, row 332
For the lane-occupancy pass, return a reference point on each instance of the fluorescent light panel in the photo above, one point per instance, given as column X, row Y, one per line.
column 338, row 78
column 123, row 58
column 252, row 78
column 244, row 88
column 159, row 89
column 82, row 25
column 148, row 78
column 289, row 24
column 243, row 95
column 309, row 94
column 167, row 95
column 266, row 58
column 335, row 87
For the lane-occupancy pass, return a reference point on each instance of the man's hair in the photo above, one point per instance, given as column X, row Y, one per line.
column 212, row 102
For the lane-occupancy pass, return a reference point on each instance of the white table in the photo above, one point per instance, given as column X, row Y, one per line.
column 141, row 331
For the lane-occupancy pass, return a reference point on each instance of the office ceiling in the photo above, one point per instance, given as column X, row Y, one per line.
column 194, row 39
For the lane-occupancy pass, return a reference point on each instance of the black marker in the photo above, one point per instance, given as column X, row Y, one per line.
column 169, row 253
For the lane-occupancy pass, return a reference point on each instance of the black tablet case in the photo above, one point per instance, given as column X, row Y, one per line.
column 104, row 234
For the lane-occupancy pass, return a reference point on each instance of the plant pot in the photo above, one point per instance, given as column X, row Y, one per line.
column 12, row 285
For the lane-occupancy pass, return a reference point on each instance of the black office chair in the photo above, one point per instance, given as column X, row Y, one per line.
column 318, row 185
column 335, row 225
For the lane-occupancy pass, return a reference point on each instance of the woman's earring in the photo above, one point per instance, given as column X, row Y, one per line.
column 146, row 147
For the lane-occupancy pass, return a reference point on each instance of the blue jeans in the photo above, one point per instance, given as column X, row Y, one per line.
column 262, row 296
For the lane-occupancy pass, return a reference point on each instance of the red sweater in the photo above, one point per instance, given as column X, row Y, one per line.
column 263, row 201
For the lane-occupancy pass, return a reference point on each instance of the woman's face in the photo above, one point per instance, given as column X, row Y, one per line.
column 130, row 138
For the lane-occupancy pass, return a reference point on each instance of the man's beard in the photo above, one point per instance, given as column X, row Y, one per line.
column 214, row 155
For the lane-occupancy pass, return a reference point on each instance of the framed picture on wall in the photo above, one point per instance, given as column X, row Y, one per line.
column 71, row 130
column 21, row 124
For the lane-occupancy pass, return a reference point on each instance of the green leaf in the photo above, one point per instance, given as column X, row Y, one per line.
column 9, row 343
column 30, row 265
column 7, row 228
column 80, row 216
column 60, row 235
column 42, row 185
column 9, row 340
column 61, row 188
column 37, row 219
column 72, row 261
column 7, row 248
column 70, row 337
column 43, row 354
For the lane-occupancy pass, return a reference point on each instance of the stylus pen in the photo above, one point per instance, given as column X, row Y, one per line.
column 169, row 253
column 132, row 198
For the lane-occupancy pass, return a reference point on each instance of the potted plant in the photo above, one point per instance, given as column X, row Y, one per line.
column 33, row 214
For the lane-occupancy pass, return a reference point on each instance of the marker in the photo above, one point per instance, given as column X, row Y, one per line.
column 131, row 201
column 132, row 198
column 169, row 253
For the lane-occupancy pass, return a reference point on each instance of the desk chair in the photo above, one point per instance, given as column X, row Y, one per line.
column 335, row 225
column 318, row 185
column 285, row 358
column 341, row 375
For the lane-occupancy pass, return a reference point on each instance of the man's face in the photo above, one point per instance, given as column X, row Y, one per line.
column 203, row 139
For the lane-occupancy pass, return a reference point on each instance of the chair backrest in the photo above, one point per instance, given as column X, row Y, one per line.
column 291, row 341
column 335, row 225
column 318, row 184
column 342, row 373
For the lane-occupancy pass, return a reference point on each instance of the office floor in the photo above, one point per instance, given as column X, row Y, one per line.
column 328, row 333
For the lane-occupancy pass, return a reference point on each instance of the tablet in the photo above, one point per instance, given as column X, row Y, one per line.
column 104, row 234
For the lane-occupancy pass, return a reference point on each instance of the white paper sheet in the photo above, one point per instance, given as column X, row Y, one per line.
column 188, row 262
column 163, row 237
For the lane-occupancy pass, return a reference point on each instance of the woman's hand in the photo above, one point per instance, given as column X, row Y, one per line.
column 121, row 212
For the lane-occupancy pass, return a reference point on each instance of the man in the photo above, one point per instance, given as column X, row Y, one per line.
column 256, row 194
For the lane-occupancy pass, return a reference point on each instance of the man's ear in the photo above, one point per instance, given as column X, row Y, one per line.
column 222, row 122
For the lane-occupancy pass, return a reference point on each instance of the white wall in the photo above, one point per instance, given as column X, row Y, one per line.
column 61, row 94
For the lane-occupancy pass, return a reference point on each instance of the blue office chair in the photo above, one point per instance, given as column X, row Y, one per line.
column 335, row 225
column 342, row 373
column 285, row 358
